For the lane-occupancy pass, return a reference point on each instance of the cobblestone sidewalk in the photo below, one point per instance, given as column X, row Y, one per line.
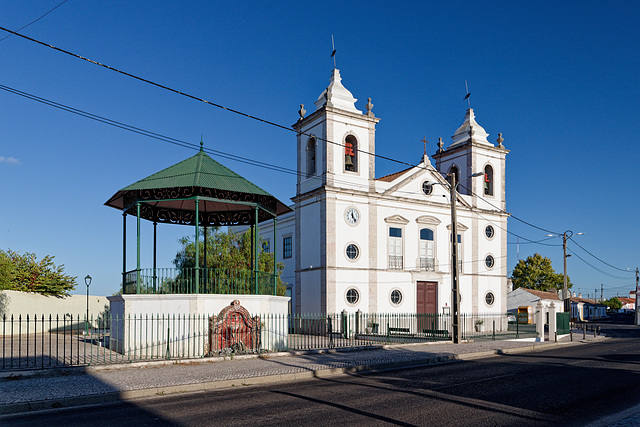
column 26, row 391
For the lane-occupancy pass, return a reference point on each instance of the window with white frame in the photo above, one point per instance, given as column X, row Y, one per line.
column 395, row 248
column 396, row 297
column 352, row 296
column 427, row 253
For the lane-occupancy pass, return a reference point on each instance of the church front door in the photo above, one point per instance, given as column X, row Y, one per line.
column 426, row 307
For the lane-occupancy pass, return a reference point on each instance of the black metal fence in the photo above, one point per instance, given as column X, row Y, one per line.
column 40, row 342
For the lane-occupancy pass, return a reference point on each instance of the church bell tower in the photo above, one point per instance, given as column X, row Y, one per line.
column 335, row 157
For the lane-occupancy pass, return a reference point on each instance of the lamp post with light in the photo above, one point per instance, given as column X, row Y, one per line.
column 637, row 310
column 565, row 296
column 87, row 281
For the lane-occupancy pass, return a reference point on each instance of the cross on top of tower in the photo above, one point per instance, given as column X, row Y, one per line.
column 425, row 142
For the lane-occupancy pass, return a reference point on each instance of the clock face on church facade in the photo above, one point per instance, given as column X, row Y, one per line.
column 352, row 216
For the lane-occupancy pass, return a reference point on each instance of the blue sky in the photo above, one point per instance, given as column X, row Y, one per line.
column 558, row 79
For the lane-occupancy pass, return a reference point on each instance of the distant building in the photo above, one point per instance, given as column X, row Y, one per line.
column 522, row 297
column 586, row 309
column 628, row 304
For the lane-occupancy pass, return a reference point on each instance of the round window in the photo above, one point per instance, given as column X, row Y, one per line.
column 489, row 261
column 489, row 232
column 396, row 297
column 427, row 188
column 352, row 251
column 489, row 298
column 353, row 296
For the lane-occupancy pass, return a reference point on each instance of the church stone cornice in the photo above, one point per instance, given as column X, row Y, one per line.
column 462, row 149
column 326, row 110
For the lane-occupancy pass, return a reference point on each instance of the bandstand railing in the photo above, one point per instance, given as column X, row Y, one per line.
column 204, row 281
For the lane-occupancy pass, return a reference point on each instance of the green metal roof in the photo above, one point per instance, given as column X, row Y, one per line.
column 198, row 171
column 223, row 197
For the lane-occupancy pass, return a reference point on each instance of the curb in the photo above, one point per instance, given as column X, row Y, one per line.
column 88, row 400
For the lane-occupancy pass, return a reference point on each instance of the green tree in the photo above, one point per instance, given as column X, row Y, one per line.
column 536, row 272
column 22, row 272
column 613, row 303
column 228, row 252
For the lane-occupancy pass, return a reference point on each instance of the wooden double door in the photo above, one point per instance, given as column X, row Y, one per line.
column 426, row 306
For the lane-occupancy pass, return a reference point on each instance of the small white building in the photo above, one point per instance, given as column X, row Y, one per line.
column 383, row 244
column 628, row 304
column 529, row 297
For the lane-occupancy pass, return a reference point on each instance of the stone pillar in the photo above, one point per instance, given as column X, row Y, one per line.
column 539, row 321
column 553, row 327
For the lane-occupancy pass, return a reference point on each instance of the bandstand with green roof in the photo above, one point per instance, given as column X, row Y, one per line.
column 202, row 193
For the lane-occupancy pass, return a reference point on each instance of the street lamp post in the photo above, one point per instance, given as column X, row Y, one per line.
column 637, row 308
column 565, row 290
column 87, row 281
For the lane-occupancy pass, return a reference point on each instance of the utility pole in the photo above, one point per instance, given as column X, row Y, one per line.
column 637, row 308
column 601, row 291
column 565, row 292
column 565, row 289
column 455, row 294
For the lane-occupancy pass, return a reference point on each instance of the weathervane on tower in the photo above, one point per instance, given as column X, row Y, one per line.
column 333, row 52
column 468, row 94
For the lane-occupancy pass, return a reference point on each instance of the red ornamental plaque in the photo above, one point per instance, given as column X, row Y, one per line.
column 234, row 328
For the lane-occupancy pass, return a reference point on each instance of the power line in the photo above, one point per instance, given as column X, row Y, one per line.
column 142, row 79
column 511, row 215
column 235, row 111
column 37, row 19
column 602, row 261
column 245, row 160
column 528, row 242
column 596, row 268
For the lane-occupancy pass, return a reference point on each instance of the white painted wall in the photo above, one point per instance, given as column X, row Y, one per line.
column 520, row 297
column 143, row 324
column 16, row 304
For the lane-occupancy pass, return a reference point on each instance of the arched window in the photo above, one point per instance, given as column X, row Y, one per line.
column 427, row 257
column 488, row 180
column 454, row 171
column 311, row 157
column 351, row 154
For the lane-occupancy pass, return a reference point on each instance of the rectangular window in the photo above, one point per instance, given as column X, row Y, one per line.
column 395, row 248
column 286, row 247
column 427, row 261
column 266, row 246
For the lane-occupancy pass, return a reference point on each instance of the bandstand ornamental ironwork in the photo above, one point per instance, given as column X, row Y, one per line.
column 200, row 192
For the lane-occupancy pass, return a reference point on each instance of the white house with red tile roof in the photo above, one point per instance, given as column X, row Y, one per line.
column 521, row 297
column 628, row 304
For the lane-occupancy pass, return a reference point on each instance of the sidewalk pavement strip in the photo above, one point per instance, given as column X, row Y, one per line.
column 47, row 389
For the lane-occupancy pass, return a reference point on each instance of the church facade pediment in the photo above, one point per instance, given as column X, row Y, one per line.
column 461, row 227
column 396, row 219
column 428, row 219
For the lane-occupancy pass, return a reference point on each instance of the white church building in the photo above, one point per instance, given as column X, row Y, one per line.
column 383, row 245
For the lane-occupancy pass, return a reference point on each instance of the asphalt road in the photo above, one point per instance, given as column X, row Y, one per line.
column 569, row 385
